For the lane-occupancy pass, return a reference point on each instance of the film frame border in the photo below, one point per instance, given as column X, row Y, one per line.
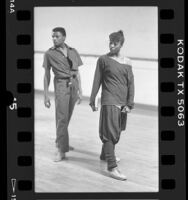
column 171, row 150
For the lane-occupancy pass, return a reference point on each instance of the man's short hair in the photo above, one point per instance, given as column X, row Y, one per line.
column 61, row 30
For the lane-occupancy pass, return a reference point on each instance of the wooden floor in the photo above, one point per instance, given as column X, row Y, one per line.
column 83, row 171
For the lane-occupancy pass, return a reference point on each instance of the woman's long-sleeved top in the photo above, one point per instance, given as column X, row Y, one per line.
column 117, row 82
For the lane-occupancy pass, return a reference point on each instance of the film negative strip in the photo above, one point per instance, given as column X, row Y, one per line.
column 155, row 164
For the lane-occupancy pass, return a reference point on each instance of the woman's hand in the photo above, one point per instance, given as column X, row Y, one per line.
column 93, row 107
column 126, row 109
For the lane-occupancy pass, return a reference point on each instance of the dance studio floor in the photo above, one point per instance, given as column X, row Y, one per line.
column 83, row 171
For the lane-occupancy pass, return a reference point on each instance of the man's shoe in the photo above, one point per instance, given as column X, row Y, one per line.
column 117, row 160
column 59, row 156
column 115, row 173
column 71, row 148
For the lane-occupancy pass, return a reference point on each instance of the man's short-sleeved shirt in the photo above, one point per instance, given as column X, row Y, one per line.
column 62, row 66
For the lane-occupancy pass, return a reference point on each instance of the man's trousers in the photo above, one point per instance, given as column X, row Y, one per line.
column 65, row 98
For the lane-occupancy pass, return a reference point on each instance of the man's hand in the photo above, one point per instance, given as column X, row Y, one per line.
column 126, row 109
column 79, row 97
column 47, row 102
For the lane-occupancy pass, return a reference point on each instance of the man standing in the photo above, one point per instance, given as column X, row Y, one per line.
column 64, row 62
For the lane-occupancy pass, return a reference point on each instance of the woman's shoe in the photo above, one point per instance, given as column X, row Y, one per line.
column 115, row 173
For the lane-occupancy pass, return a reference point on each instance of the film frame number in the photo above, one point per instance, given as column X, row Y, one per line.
column 12, row 6
column 13, row 183
column 13, row 106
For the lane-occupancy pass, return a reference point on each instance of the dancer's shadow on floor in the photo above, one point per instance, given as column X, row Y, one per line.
column 86, row 152
column 89, row 161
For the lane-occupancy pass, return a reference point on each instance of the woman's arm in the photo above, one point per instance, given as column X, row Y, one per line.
column 131, row 89
column 96, row 82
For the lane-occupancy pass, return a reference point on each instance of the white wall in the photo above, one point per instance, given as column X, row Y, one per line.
column 88, row 28
column 145, row 73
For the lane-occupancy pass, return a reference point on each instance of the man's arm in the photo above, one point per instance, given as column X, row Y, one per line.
column 79, row 88
column 47, row 77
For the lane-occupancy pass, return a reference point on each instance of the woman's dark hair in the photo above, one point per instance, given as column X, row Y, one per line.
column 61, row 30
column 117, row 37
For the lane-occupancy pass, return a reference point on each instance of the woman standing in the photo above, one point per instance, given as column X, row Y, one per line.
column 114, row 73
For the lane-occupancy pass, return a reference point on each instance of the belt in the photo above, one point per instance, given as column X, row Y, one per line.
column 67, row 78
